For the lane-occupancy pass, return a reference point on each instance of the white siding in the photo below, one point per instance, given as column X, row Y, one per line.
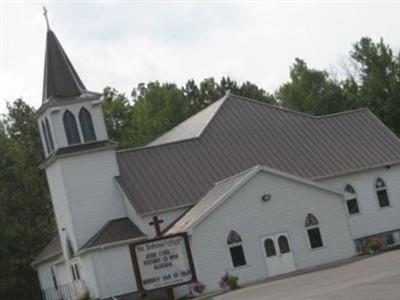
column 44, row 274
column 88, row 275
column 253, row 219
column 113, row 271
column 55, row 117
column 60, row 203
column 91, row 192
column 168, row 217
column 372, row 219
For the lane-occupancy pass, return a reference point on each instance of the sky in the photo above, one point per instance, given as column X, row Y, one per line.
column 123, row 43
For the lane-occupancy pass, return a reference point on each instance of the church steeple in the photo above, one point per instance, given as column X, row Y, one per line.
column 60, row 78
column 70, row 115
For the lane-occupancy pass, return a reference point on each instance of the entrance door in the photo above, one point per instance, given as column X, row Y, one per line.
column 278, row 254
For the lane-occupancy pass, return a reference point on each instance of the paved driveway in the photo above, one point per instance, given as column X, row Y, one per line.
column 374, row 278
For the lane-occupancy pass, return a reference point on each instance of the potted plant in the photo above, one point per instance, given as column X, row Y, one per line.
column 198, row 287
column 374, row 244
column 229, row 282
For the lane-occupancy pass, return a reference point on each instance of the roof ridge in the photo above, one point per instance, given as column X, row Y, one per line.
column 236, row 175
column 351, row 111
column 299, row 112
column 156, row 146
column 273, row 106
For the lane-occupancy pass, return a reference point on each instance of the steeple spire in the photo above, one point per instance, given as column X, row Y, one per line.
column 45, row 16
column 60, row 78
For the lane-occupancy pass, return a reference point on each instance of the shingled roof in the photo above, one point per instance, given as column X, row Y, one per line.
column 242, row 133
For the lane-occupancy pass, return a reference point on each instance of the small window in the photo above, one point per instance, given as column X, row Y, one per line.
column 86, row 125
column 50, row 136
column 381, row 192
column 71, row 129
column 311, row 220
column 313, row 232
column 46, row 138
column 389, row 239
column 352, row 206
column 269, row 248
column 235, row 246
column 283, row 244
column 314, row 236
column 351, row 200
column 237, row 255
column 75, row 271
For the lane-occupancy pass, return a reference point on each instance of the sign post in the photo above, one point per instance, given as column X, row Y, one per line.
column 162, row 262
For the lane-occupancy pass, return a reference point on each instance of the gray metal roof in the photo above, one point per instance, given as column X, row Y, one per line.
column 114, row 231
column 191, row 127
column 60, row 78
column 243, row 133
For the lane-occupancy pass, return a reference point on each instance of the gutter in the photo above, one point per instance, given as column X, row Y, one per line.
column 110, row 245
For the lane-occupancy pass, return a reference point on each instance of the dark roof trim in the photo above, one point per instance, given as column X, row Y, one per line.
column 78, row 149
column 55, row 101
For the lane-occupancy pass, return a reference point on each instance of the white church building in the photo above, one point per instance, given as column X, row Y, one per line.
column 260, row 190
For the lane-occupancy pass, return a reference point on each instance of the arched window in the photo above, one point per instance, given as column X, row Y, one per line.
column 351, row 200
column 314, row 235
column 49, row 135
column 86, row 125
column 46, row 138
column 235, row 246
column 283, row 244
column 269, row 247
column 381, row 192
column 71, row 130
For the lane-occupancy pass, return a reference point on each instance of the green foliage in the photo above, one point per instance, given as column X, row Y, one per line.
column 310, row 91
column 26, row 217
column 155, row 107
column 378, row 77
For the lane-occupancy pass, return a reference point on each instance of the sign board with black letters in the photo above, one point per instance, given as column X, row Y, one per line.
column 163, row 262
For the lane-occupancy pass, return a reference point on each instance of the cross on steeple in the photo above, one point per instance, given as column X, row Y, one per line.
column 156, row 223
column 45, row 16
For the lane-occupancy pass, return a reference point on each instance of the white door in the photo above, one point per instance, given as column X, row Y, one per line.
column 278, row 254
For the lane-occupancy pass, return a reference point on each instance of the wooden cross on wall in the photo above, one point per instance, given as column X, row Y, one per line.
column 156, row 223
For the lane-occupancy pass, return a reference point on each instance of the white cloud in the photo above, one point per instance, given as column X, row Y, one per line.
column 122, row 44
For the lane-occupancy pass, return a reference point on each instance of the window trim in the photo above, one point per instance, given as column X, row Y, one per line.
column 75, row 270
column 228, row 249
column 45, row 137
column 313, row 227
column 49, row 135
column 81, row 113
column 350, row 196
column 75, row 124
column 384, row 188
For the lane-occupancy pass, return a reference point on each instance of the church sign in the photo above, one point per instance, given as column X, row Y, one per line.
column 163, row 262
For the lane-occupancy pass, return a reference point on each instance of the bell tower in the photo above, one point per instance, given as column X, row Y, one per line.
column 80, row 160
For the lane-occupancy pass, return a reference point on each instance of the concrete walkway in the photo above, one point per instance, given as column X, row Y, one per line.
column 374, row 278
